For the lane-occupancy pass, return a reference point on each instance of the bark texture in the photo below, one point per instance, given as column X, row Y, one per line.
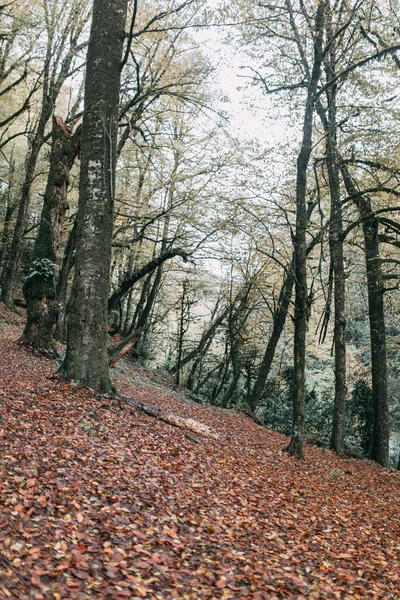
column 380, row 433
column 370, row 223
column 300, row 245
column 336, row 251
column 40, row 284
column 86, row 357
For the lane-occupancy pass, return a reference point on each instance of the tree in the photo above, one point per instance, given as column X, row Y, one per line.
column 86, row 358
column 16, row 52
column 40, row 283
column 356, row 27
column 62, row 47
column 300, row 244
column 376, row 311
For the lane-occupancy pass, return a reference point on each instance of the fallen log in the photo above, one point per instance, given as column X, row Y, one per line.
column 127, row 344
column 171, row 418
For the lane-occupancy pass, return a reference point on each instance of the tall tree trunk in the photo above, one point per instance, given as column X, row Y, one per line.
column 370, row 225
column 86, row 358
column 336, row 250
column 300, row 245
column 380, row 432
column 40, row 284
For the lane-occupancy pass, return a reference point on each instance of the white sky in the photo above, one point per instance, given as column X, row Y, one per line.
column 247, row 106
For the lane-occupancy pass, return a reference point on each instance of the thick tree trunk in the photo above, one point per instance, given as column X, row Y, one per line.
column 86, row 357
column 300, row 245
column 40, row 284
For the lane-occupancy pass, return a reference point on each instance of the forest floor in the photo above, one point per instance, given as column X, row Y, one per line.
column 99, row 500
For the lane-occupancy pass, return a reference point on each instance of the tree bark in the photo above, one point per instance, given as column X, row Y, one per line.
column 300, row 245
column 336, row 250
column 86, row 358
column 370, row 225
column 380, row 432
column 40, row 285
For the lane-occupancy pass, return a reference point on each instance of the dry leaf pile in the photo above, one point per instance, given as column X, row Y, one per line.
column 99, row 500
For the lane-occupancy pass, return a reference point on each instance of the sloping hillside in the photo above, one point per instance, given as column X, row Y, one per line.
column 99, row 500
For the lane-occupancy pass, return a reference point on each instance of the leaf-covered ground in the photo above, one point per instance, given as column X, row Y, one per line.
column 98, row 500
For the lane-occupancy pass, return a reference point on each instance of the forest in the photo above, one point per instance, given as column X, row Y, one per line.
column 199, row 233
